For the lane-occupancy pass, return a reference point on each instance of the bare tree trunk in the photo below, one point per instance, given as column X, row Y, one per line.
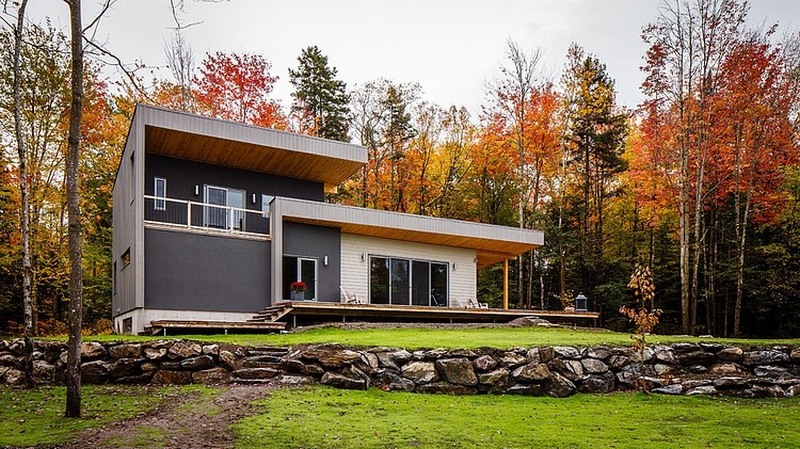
column 27, row 270
column 73, row 375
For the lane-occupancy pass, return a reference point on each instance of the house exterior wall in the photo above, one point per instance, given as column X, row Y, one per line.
column 124, row 228
column 317, row 242
column 182, row 176
column 355, row 271
column 197, row 272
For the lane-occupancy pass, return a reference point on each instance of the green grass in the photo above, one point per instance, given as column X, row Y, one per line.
column 501, row 337
column 35, row 417
column 326, row 418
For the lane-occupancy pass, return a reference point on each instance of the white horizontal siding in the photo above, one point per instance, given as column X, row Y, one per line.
column 355, row 271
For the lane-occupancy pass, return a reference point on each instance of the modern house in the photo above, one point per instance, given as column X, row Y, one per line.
column 214, row 220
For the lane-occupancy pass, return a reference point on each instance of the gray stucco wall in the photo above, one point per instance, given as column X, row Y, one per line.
column 189, row 271
column 306, row 240
column 183, row 175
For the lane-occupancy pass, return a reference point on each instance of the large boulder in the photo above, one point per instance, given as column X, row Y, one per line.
column 255, row 373
column 484, row 363
column 197, row 363
column 730, row 354
column 457, row 371
column 341, row 381
column 183, row 349
column 94, row 372
column 593, row 366
column 421, row 372
column 765, row 357
column 330, row 356
column 558, row 386
column 496, row 379
column 123, row 368
column 92, row 350
column 597, row 383
column 597, row 352
column 512, row 359
column 125, row 351
column 533, row 372
column 167, row 377
column 213, row 376
column 228, row 360
column 572, row 369
column 699, row 357
column 393, row 359
column 566, row 352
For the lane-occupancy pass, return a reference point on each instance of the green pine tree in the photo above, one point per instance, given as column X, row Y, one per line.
column 320, row 100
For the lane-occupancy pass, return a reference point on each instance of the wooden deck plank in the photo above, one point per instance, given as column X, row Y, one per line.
column 264, row 325
column 318, row 308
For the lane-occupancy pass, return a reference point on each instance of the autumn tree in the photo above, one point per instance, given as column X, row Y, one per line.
column 237, row 87
column 687, row 44
column 320, row 100
column 510, row 96
column 382, row 123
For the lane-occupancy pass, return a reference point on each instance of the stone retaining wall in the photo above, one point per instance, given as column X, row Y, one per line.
column 683, row 368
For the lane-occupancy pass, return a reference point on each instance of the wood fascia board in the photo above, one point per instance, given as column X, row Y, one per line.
column 493, row 243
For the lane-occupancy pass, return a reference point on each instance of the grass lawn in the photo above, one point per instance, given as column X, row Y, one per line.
column 36, row 417
column 500, row 337
column 326, row 418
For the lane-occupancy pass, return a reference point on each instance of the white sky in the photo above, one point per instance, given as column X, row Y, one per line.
column 450, row 47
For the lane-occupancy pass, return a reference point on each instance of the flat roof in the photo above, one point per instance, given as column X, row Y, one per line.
column 231, row 144
column 492, row 243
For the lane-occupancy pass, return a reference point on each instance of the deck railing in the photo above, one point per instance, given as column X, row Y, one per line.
column 204, row 216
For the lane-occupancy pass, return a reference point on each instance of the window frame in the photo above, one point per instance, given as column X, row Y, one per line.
column 160, row 202
column 411, row 261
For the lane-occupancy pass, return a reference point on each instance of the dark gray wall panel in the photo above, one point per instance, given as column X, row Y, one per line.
column 200, row 272
column 183, row 175
column 306, row 240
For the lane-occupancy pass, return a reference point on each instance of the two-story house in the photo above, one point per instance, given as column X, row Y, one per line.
column 214, row 220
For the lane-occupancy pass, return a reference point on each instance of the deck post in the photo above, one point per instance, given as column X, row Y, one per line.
column 505, row 284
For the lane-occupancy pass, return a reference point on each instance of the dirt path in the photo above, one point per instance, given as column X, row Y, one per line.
column 185, row 422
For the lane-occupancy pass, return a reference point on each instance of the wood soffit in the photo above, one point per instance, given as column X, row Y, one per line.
column 488, row 251
column 328, row 170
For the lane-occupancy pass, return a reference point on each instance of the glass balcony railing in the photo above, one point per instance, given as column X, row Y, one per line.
column 204, row 216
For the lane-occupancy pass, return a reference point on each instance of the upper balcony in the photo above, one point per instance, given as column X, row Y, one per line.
column 206, row 218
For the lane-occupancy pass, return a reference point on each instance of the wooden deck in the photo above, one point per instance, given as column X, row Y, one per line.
column 283, row 314
column 301, row 312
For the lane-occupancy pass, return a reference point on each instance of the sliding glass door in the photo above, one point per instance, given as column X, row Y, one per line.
column 401, row 281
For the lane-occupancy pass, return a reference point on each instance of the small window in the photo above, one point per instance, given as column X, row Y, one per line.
column 265, row 200
column 126, row 258
column 127, row 326
column 132, row 185
column 114, row 277
column 160, row 191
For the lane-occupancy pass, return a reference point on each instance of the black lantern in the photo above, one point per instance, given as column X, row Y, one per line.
column 581, row 303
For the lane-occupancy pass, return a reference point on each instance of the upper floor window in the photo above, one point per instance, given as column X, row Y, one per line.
column 160, row 191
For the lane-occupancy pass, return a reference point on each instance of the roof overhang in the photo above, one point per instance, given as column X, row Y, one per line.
column 236, row 145
column 492, row 243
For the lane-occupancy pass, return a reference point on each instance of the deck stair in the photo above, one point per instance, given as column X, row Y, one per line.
column 271, row 314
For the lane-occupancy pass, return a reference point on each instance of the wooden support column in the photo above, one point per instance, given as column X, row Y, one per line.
column 505, row 284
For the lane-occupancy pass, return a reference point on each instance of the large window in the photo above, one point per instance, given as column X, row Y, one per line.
column 394, row 280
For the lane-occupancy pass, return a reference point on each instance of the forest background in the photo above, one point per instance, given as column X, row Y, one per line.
column 700, row 182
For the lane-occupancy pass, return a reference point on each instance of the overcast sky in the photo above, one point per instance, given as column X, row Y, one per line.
column 450, row 47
